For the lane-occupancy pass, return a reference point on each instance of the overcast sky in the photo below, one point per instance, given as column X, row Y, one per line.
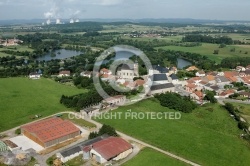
column 197, row 9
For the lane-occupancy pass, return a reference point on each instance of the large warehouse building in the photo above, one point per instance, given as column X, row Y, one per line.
column 50, row 131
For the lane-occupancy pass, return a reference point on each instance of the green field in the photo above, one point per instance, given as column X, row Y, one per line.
column 208, row 49
column 208, row 136
column 19, row 48
column 148, row 155
column 22, row 98
column 241, row 37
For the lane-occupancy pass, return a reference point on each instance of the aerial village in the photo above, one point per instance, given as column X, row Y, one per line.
column 65, row 140
column 10, row 42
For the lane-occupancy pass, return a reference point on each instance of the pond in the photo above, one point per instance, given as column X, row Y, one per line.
column 59, row 54
column 181, row 63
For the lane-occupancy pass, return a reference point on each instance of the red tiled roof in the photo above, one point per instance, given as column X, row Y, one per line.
column 191, row 85
column 230, row 73
column 51, row 129
column 64, row 72
column 199, row 94
column 111, row 147
column 227, row 92
column 203, row 82
column 191, row 68
column 190, row 81
column 210, row 77
column 233, row 79
column 140, row 82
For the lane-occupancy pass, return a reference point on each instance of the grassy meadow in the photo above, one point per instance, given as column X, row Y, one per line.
column 19, row 48
column 147, row 156
column 22, row 98
column 208, row 49
column 208, row 135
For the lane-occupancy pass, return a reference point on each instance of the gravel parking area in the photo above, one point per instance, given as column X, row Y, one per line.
column 26, row 143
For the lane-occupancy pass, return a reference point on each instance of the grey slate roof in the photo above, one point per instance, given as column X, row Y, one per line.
column 174, row 77
column 215, row 87
column 159, row 77
column 221, row 79
column 71, row 151
column 160, row 69
column 161, row 86
column 126, row 67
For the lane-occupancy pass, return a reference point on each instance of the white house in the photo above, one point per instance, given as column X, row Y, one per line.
column 34, row 75
column 200, row 73
column 240, row 68
column 64, row 73
column 86, row 74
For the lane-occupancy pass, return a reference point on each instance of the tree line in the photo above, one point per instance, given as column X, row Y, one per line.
column 208, row 39
column 176, row 102
column 233, row 62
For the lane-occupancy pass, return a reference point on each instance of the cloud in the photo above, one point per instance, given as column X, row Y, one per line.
column 110, row 2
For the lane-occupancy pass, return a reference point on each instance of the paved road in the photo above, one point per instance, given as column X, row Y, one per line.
column 234, row 101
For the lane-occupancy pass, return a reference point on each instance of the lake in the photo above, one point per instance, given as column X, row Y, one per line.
column 181, row 63
column 121, row 54
column 60, row 54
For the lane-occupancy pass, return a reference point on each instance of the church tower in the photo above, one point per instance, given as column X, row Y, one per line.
column 136, row 69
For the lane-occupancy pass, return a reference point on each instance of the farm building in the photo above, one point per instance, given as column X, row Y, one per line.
column 50, row 131
column 112, row 148
column 69, row 154
column 3, row 147
column 77, row 150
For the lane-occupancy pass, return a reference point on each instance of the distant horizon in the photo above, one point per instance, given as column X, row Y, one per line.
column 139, row 20
column 123, row 9
column 143, row 18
